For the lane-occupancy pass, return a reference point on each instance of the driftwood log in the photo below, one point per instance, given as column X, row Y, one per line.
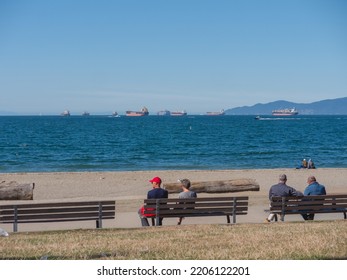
column 14, row 191
column 236, row 185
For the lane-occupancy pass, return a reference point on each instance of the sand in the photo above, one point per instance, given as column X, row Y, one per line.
column 129, row 189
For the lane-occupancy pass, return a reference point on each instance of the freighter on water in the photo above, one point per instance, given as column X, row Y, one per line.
column 143, row 112
column 164, row 113
column 285, row 112
column 220, row 113
column 178, row 113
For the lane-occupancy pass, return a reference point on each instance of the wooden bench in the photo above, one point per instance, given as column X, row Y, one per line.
column 57, row 212
column 319, row 204
column 195, row 207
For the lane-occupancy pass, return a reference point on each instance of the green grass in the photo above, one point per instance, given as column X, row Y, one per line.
column 276, row 241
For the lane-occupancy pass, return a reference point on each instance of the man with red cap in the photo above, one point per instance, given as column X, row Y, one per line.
column 155, row 192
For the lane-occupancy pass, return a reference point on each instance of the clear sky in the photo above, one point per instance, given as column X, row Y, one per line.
column 102, row 56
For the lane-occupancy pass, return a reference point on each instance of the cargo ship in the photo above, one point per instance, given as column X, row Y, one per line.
column 220, row 113
column 66, row 113
column 285, row 112
column 164, row 113
column 178, row 113
column 143, row 112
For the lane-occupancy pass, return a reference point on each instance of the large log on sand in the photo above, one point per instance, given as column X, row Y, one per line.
column 14, row 191
column 236, row 185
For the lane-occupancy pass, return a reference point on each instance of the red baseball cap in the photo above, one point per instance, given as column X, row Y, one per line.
column 156, row 179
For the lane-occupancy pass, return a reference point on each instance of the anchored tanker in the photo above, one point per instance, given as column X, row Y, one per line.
column 285, row 112
column 143, row 112
column 220, row 113
column 178, row 113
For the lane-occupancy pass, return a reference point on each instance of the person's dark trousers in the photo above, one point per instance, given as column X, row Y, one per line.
column 154, row 221
column 144, row 221
column 308, row 217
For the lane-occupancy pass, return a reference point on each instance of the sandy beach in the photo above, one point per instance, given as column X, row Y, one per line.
column 129, row 189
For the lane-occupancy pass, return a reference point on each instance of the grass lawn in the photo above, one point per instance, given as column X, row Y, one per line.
column 275, row 241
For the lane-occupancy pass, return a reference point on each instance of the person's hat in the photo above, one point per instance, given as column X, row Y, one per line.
column 283, row 177
column 156, row 180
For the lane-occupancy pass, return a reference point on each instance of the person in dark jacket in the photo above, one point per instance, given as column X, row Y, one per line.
column 281, row 189
column 155, row 192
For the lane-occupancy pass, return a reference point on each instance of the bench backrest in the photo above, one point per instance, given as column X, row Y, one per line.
column 57, row 212
column 314, row 204
column 190, row 207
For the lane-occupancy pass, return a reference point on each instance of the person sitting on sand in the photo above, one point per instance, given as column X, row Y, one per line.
column 186, row 193
column 310, row 164
column 155, row 192
column 303, row 164
column 313, row 188
column 281, row 189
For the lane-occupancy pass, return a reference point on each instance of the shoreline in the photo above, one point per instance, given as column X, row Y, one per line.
column 129, row 188
column 51, row 185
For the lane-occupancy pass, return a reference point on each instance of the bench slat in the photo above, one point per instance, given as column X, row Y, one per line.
column 57, row 204
column 22, row 211
column 187, row 210
column 309, row 206
column 56, row 217
column 335, row 196
column 230, row 199
column 61, row 218
column 196, row 205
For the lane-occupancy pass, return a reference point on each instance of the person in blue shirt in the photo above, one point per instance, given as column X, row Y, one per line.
column 313, row 188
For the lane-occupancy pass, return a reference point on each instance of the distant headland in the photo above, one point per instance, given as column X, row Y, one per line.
column 336, row 106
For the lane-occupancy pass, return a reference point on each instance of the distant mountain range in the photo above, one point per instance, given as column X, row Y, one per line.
column 336, row 106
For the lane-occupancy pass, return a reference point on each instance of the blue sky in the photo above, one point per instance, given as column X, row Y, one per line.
column 104, row 56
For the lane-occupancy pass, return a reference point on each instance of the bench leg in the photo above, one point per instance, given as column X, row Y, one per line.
column 97, row 222
column 15, row 223
column 158, row 221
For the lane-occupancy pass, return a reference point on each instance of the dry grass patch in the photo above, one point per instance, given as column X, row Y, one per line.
column 299, row 240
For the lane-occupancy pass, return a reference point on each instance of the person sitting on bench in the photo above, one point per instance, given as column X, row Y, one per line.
column 186, row 193
column 155, row 192
column 313, row 188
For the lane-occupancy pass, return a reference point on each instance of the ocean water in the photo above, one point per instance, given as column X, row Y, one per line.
column 103, row 143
